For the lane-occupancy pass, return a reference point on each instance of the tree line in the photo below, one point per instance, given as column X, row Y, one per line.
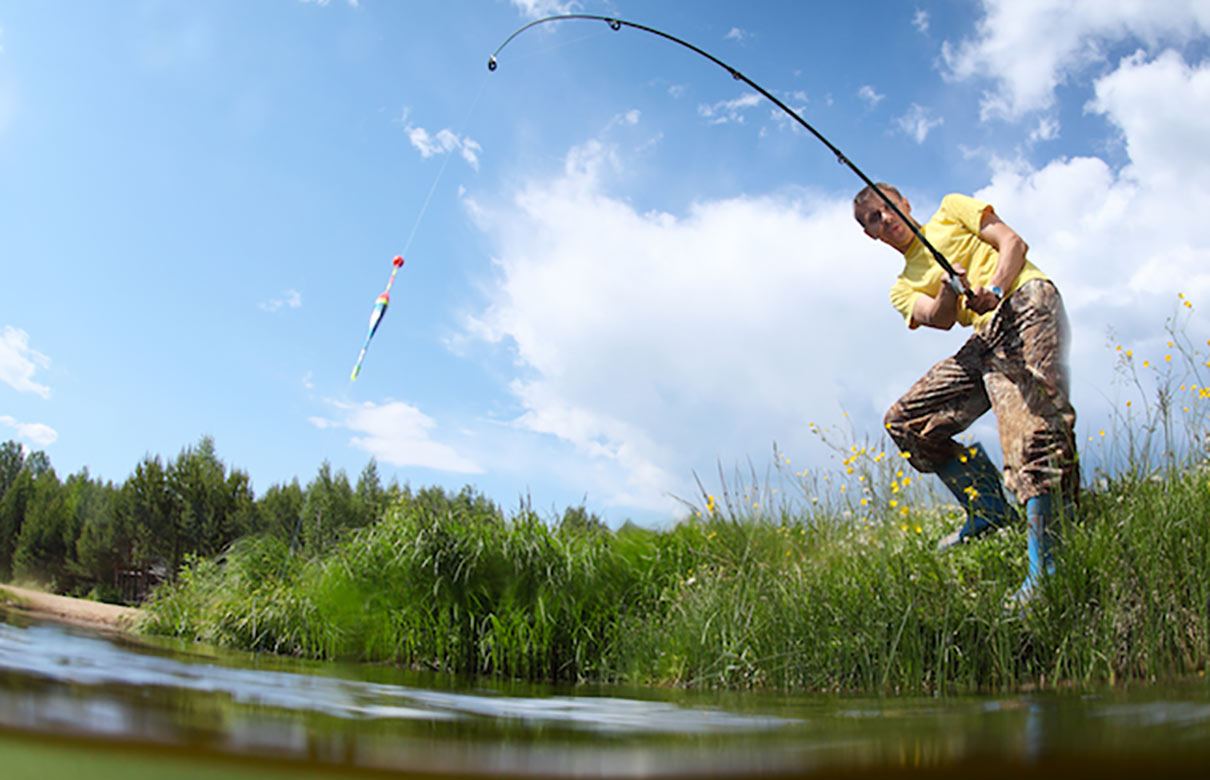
column 82, row 535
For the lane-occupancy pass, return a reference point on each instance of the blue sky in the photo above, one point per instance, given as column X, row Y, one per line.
column 622, row 268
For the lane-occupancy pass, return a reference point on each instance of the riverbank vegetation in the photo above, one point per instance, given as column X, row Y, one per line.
column 83, row 536
column 736, row 598
column 797, row 580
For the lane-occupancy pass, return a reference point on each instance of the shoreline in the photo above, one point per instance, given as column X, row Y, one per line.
column 93, row 614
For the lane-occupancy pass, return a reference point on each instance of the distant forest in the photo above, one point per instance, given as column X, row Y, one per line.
column 85, row 537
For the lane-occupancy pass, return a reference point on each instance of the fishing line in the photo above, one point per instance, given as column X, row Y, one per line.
column 956, row 282
column 441, row 171
column 383, row 301
column 465, row 120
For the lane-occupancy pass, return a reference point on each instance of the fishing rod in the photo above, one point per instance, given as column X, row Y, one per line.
column 956, row 282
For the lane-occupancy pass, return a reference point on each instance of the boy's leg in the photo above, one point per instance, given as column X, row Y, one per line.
column 923, row 423
column 943, row 403
column 1027, row 383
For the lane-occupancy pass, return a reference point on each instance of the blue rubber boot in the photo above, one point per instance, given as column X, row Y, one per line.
column 1039, row 512
column 975, row 482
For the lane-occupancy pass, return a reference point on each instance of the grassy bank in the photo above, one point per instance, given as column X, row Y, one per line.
column 819, row 582
column 834, row 598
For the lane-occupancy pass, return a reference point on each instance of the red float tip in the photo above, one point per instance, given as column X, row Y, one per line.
column 398, row 261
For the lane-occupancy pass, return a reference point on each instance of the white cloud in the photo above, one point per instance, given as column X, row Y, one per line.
column 35, row 433
column 536, row 9
column 921, row 20
column 651, row 345
column 1160, row 106
column 917, row 122
column 396, row 433
column 627, row 119
column 1123, row 244
column 19, row 363
column 443, row 142
column 732, row 110
column 869, row 96
column 736, row 34
column 291, row 299
column 1028, row 49
column 1047, row 129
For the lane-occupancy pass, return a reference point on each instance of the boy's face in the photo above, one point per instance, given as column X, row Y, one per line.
column 882, row 224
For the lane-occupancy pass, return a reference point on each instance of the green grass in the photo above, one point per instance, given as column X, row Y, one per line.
column 807, row 582
column 819, row 600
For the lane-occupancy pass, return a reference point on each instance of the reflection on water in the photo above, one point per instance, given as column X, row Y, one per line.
column 63, row 680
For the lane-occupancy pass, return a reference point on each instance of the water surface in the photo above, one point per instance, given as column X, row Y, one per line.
column 85, row 688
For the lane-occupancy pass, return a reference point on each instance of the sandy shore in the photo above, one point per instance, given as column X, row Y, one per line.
column 91, row 613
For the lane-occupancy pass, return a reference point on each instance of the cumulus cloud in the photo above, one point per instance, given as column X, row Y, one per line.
column 1047, row 129
column 19, row 363
column 536, row 9
column 1123, row 244
column 34, row 433
column 396, row 433
column 732, row 110
column 628, row 119
column 736, row 34
column 1029, row 49
column 918, row 122
column 869, row 96
column 290, row 299
column 443, row 141
column 652, row 345
column 921, row 20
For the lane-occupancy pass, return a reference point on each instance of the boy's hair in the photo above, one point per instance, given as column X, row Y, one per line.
column 868, row 193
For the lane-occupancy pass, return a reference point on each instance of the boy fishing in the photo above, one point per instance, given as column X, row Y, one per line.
column 1014, row 364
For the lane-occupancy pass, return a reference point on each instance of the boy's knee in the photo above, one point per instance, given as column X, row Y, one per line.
column 893, row 420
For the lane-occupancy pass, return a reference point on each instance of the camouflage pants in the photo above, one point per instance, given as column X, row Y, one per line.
column 1017, row 368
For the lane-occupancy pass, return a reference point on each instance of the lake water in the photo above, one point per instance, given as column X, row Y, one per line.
column 74, row 700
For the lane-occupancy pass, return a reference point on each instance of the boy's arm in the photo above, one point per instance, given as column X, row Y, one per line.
column 1012, row 249
column 940, row 311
